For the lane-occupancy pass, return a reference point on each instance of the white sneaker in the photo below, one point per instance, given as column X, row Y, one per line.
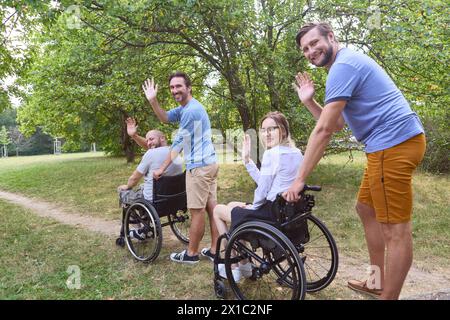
column 246, row 269
column 236, row 273
column 137, row 234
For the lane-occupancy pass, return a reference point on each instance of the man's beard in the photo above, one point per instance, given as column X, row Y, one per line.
column 327, row 56
column 157, row 145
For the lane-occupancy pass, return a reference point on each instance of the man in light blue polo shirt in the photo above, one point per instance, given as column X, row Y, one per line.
column 360, row 93
column 194, row 138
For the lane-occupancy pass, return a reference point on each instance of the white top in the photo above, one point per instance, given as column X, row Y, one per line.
column 279, row 168
column 153, row 160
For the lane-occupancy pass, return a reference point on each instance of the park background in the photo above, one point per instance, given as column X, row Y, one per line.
column 73, row 70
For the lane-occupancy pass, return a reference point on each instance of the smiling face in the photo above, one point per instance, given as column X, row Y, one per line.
column 179, row 90
column 154, row 139
column 318, row 48
column 270, row 133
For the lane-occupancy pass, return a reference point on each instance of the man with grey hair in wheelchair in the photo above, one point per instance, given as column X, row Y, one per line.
column 157, row 151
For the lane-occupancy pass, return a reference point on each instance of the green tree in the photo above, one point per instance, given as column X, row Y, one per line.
column 4, row 141
column 86, row 66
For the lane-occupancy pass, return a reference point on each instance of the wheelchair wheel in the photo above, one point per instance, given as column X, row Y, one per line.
column 143, row 233
column 120, row 241
column 180, row 224
column 220, row 289
column 277, row 273
column 319, row 256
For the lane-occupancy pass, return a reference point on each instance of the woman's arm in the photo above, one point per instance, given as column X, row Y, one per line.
column 265, row 179
column 253, row 170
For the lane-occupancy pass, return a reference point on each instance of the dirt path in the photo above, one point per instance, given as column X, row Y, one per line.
column 48, row 210
column 433, row 283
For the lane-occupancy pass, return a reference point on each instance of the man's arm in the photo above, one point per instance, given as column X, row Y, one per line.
column 132, row 132
column 318, row 141
column 151, row 90
column 172, row 155
column 132, row 181
column 305, row 90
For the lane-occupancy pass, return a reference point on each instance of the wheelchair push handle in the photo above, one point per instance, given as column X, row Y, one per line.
column 305, row 188
column 311, row 188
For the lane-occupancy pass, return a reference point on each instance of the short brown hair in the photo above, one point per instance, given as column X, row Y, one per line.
column 324, row 29
column 179, row 74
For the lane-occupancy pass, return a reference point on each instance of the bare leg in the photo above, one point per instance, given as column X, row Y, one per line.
column 375, row 242
column 210, row 205
column 196, row 231
column 399, row 257
column 222, row 215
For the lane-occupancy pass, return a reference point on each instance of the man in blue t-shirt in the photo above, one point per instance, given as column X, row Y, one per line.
column 194, row 138
column 361, row 94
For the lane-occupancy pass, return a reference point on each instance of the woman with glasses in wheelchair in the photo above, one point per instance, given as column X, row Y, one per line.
column 279, row 167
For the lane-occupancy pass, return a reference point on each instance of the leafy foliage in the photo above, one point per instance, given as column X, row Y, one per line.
column 87, row 60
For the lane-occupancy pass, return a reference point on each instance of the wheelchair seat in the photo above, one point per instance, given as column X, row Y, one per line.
column 169, row 194
column 289, row 218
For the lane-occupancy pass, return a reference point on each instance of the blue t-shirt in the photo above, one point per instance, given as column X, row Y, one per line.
column 376, row 111
column 194, row 135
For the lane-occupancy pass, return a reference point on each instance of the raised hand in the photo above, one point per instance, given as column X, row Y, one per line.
column 246, row 147
column 131, row 127
column 150, row 89
column 304, row 87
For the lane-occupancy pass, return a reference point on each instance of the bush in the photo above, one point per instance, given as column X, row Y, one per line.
column 436, row 158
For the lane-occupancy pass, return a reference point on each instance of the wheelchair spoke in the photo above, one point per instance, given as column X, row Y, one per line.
column 319, row 256
column 180, row 223
column 142, row 232
column 277, row 270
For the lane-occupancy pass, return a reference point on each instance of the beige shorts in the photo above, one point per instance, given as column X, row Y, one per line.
column 201, row 186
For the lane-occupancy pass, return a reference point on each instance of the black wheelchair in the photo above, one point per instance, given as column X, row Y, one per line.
column 290, row 256
column 141, row 229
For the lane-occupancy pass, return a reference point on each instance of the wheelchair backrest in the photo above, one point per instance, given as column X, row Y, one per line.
column 169, row 194
column 291, row 217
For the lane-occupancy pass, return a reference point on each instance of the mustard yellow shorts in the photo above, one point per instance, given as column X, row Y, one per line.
column 201, row 186
column 387, row 182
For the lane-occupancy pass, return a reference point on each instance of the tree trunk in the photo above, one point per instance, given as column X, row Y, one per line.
column 237, row 92
column 127, row 144
column 273, row 95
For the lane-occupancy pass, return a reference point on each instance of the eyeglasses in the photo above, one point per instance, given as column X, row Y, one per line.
column 268, row 130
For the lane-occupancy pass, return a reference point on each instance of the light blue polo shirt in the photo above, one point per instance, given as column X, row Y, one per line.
column 194, row 135
column 376, row 111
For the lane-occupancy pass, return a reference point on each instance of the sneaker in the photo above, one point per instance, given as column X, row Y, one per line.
column 137, row 234
column 361, row 286
column 206, row 252
column 236, row 273
column 246, row 269
column 183, row 257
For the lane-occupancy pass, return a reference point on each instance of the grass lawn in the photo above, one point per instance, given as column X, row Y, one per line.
column 39, row 251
